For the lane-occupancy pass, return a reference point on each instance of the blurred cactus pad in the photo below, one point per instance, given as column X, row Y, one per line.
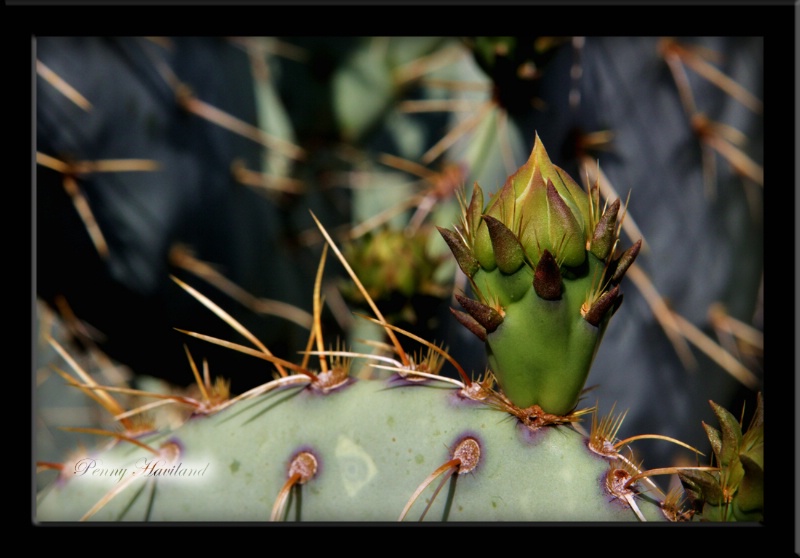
column 330, row 279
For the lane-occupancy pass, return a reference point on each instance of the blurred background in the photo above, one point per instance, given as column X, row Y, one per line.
column 202, row 158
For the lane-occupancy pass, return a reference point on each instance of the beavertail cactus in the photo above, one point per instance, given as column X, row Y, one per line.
column 366, row 447
column 542, row 261
column 325, row 445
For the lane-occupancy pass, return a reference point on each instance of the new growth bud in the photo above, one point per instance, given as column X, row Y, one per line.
column 543, row 266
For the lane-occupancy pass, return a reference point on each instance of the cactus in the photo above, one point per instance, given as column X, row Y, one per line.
column 516, row 267
column 324, row 446
column 320, row 445
column 233, row 465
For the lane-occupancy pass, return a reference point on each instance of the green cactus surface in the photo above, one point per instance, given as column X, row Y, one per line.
column 374, row 442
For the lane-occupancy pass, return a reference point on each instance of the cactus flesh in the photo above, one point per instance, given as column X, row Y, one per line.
column 374, row 442
column 330, row 446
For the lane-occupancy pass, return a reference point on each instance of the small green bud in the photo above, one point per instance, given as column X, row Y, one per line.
column 544, row 260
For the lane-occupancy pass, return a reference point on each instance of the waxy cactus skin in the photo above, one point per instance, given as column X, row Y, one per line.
column 375, row 441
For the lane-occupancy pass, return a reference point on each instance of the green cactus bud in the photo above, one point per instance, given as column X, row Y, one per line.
column 736, row 491
column 547, row 266
column 703, row 483
column 377, row 257
column 750, row 497
column 566, row 238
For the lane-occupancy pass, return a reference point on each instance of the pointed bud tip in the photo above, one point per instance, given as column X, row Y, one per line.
column 598, row 310
column 547, row 277
column 625, row 260
column 485, row 315
column 466, row 260
column 605, row 233
column 508, row 252
column 470, row 323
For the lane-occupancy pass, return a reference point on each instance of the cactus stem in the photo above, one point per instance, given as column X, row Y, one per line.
column 302, row 469
column 465, row 458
